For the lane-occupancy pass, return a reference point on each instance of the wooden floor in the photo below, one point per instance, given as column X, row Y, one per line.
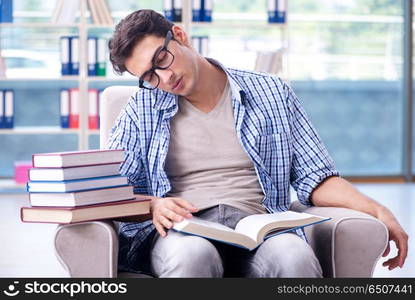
column 27, row 249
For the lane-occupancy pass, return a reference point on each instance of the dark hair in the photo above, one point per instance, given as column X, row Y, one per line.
column 130, row 30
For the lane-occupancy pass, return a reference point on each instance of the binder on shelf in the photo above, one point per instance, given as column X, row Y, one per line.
column 277, row 11
column 93, row 105
column 177, row 10
column 74, row 108
column 197, row 11
column 92, row 56
column 207, row 6
column 201, row 44
column 1, row 109
column 168, row 9
column 64, row 108
column 74, row 55
column 101, row 65
column 8, row 96
column 6, row 11
column 65, row 50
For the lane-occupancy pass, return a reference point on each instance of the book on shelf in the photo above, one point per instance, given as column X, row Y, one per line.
column 65, row 12
column 82, row 198
column 21, row 171
column 77, row 158
column 69, row 173
column 101, row 211
column 250, row 231
column 76, row 185
column 100, row 12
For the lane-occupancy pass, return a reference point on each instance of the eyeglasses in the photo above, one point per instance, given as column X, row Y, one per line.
column 161, row 60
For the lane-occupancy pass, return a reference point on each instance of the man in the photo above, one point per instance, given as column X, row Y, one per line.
column 220, row 144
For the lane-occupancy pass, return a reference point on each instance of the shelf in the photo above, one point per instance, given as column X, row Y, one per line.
column 239, row 24
column 10, row 186
column 103, row 78
column 63, row 78
column 93, row 131
column 38, row 130
column 38, row 24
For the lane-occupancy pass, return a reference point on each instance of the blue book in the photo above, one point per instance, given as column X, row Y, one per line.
column 1, row 108
column 76, row 185
column 197, row 11
column 64, row 108
column 6, row 12
column 92, row 56
column 8, row 96
column 65, row 51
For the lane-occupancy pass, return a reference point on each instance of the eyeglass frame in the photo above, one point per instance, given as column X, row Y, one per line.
column 169, row 37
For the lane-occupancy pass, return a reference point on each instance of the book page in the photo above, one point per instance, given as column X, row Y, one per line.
column 198, row 221
column 252, row 225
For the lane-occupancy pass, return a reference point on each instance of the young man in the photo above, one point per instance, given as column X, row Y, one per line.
column 220, row 144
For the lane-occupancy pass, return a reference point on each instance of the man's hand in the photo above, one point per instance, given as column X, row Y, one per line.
column 397, row 235
column 165, row 211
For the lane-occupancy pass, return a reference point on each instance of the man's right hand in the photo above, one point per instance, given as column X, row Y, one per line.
column 165, row 211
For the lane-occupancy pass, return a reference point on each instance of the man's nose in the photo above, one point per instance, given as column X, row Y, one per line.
column 165, row 75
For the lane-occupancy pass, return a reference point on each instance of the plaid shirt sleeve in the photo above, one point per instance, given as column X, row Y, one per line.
column 311, row 162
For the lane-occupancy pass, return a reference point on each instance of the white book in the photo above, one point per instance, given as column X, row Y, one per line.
column 59, row 174
column 250, row 231
column 76, row 185
column 82, row 198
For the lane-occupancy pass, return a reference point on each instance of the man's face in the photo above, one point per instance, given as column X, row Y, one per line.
column 180, row 77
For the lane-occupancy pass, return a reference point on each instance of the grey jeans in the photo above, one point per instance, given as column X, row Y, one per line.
column 181, row 255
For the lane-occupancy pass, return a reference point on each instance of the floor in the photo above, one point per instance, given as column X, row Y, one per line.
column 27, row 249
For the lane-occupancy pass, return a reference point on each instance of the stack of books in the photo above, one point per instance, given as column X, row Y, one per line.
column 78, row 186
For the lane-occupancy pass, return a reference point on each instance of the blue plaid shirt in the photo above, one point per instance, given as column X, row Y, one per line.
column 271, row 125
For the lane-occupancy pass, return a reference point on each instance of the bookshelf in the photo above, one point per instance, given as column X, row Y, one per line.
column 85, row 138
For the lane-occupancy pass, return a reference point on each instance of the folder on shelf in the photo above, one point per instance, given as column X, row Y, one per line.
column 168, row 9
column 177, row 10
column 101, row 65
column 197, row 10
column 92, row 56
column 6, row 11
column 64, row 108
column 74, row 55
column 1, row 109
column 93, row 109
column 99, row 106
column 277, row 10
column 8, row 96
column 65, row 50
column 74, row 108
column 207, row 6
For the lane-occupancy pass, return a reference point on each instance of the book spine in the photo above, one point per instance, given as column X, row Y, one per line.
column 92, row 56
column 64, row 108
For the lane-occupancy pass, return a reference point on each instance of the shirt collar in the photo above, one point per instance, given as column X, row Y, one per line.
column 165, row 100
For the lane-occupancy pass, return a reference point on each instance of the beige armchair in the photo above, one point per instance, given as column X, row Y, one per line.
column 349, row 245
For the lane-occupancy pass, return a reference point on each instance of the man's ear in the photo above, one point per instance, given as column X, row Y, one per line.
column 180, row 35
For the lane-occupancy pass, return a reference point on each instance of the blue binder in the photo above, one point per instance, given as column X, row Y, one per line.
column 168, row 9
column 92, row 56
column 177, row 10
column 197, row 10
column 8, row 96
column 6, row 11
column 65, row 48
column 277, row 10
column 74, row 55
column 207, row 10
column 1, row 108
column 64, row 108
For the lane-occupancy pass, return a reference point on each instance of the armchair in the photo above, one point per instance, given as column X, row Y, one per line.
column 349, row 245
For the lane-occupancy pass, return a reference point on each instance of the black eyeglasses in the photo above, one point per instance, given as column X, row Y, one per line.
column 161, row 60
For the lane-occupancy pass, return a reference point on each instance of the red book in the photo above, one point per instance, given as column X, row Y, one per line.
column 67, row 215
column 77, row 158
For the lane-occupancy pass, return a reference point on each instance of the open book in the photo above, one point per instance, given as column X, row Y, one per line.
column 250, row 231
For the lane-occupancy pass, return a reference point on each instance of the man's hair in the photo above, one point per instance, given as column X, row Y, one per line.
column 130, row 30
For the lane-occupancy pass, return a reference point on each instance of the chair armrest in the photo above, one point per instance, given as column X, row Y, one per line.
column 349, row 245
column 88, row 249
